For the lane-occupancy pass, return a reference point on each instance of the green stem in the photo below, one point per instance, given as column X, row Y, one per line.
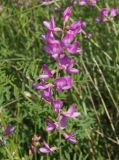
column 59, row 143
column 9, row 154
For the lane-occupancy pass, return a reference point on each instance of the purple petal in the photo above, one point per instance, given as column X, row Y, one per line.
column 72, row 109
column 63, row 122
column 114, row 12
column 47, row 25
column 76, row 114
column 67, row 13
column 70, row 137
column 44, row 150
column 41, row 86
column 50, row 125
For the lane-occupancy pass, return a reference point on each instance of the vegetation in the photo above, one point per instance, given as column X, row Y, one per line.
column 95, row 90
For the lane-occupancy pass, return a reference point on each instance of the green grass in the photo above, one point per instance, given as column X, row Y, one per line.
column 96, row 89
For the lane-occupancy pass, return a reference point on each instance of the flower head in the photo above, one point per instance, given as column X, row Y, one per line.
column 42, row 85
column 55, row 125
column 57, row 105
column 70, row 137
column 54, row 49
column 77, row 26
column 71, row 112
column 47, row 94
column 9, row 130
column 106, row 13
column 47, row 72
column 68, row 38
column 51, row 25
column 90, row 3
column 46, row 148
column 63, row 83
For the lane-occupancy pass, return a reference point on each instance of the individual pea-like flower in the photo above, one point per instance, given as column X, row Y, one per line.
column 47, row 2
column 57, row 105
column 77, row 26
column 47, row 94
column 54, row 50
column 71, row 112
column 42, row 85
column 47, row 72
column 70, row 137
column 67, row 13
column 63, row 83
column 46, row 148
column 106, row 13
column 68, row 38
column 51, row 25
column 51, row 125
column 90, row 3
column 49, row 38
column 8, row 130
column 114, row 12
column 73, row 48
column 67, row 64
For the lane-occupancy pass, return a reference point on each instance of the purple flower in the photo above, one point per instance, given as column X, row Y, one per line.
column 105, row 13
column 77, row 26
column 42, row 85
column 90, row 3
column 68, row 38
column 47, row 94
column 55, row 125
column 9, row 130
column 51, row 25
column 54, row 49
column 46, row 148
column 71, row 112
column 114, row 12
column 47, row 2
column 73, row 48
column 70, row 137
column 63, row 83
column 70, row 68
column 57, row 105
column 51, row 125
column 67, row 13
column 49, row 38
column 67, row 64
column 47, row 72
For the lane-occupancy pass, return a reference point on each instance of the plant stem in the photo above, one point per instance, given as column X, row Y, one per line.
column 59, row 143
column 9, row 154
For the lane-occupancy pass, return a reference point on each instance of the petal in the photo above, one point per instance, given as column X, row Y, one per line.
column 44, row 150
column 75, row 114
column 47, row 25
column 72, row 109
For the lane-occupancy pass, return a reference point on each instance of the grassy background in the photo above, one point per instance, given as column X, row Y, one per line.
column 96, row 89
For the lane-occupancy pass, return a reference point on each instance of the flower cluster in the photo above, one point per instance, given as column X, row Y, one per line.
column 61, row 50
column 106, row 13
